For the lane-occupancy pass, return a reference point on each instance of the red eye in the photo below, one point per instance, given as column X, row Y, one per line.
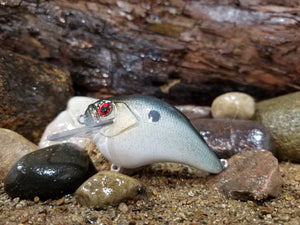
column 104, row 109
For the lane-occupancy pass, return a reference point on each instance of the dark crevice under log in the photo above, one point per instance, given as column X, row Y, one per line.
column 182, row 51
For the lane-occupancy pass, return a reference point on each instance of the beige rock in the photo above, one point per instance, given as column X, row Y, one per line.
column 108, row 188
column 233, row 105
column 13, row 147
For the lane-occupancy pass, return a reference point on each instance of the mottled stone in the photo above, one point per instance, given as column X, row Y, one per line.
column 233, row 105
column 228, row 137
column 281, row 116
column 252, row 175
column 13, row 146
column 31, row 93
column 108, row 188
column 49, row 172
column 68, row 120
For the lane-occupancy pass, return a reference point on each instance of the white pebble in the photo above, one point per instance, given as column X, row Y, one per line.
column 233, row 105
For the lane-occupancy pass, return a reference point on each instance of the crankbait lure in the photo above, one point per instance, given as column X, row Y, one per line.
column 137, row 130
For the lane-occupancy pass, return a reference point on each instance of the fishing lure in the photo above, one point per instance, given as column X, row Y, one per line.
column 133, row 131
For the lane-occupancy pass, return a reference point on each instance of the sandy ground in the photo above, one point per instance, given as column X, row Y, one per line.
column 174, row 197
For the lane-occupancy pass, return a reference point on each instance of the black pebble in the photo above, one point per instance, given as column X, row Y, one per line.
column 50, row 172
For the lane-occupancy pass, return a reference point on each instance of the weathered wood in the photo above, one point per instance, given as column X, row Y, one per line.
column 184, row 51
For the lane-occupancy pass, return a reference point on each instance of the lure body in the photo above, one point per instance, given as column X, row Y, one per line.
column 147, row 130
column 137, row 130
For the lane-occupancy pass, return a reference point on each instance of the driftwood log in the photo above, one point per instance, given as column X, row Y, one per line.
column 182, row 51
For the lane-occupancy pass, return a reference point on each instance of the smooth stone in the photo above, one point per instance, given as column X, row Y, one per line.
column 252, row 175
column 109, row 188
column 13, row 147
column 50, row 172
column 281, row 115
column 233, row 105
column 228, row 137
column 68, row 120
column 32, row 94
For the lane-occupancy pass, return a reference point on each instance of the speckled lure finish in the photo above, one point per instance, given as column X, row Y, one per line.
column 147, row 130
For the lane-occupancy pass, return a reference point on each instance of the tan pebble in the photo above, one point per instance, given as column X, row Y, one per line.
column 284, row 217
column 24, row 220
column 108, row 188
column 233, row 105
column 269, row 216
column 123, row 207
column 250, row 203
column 182, row 215
column 297, row 177
column 288, row 197
column 154, row 193
column 199, row 215
column 62, row 208
column 265, row 210
column 60, row 201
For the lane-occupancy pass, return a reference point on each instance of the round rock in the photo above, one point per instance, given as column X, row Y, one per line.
column 49, row 172
column 108, row 188
column 13, row 147
column 281, row 116
column 233, row 105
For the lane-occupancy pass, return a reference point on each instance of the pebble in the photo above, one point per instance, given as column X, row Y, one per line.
column 233, row 105
column 68, row 120
column 281, row 115
column 252, row 175
column 108, row 188
column 123, row 207
column 13, row 147
column 228, row 137
column 50, row 172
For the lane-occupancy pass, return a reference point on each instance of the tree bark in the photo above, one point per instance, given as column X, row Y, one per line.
column 183, row 51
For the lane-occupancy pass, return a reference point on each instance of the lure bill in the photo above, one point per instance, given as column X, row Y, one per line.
column 78, row 132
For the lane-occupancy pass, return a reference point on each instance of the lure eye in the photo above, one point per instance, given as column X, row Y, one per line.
column 104, row 109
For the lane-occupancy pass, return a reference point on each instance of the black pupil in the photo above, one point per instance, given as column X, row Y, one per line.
column 104, row 109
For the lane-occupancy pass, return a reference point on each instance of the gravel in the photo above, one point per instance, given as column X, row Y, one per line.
column 173, row 198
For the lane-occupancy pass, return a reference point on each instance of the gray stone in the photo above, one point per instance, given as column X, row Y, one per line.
column 227, row 137
column 233, row 105
column 281, row 116
column 252, row 175
column 13, row 147
column 108, row 188
column 49, row 172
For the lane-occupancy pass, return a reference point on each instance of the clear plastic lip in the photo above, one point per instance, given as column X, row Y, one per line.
column 78, row 132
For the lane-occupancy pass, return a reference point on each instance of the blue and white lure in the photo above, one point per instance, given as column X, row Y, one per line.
column 137, row 130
